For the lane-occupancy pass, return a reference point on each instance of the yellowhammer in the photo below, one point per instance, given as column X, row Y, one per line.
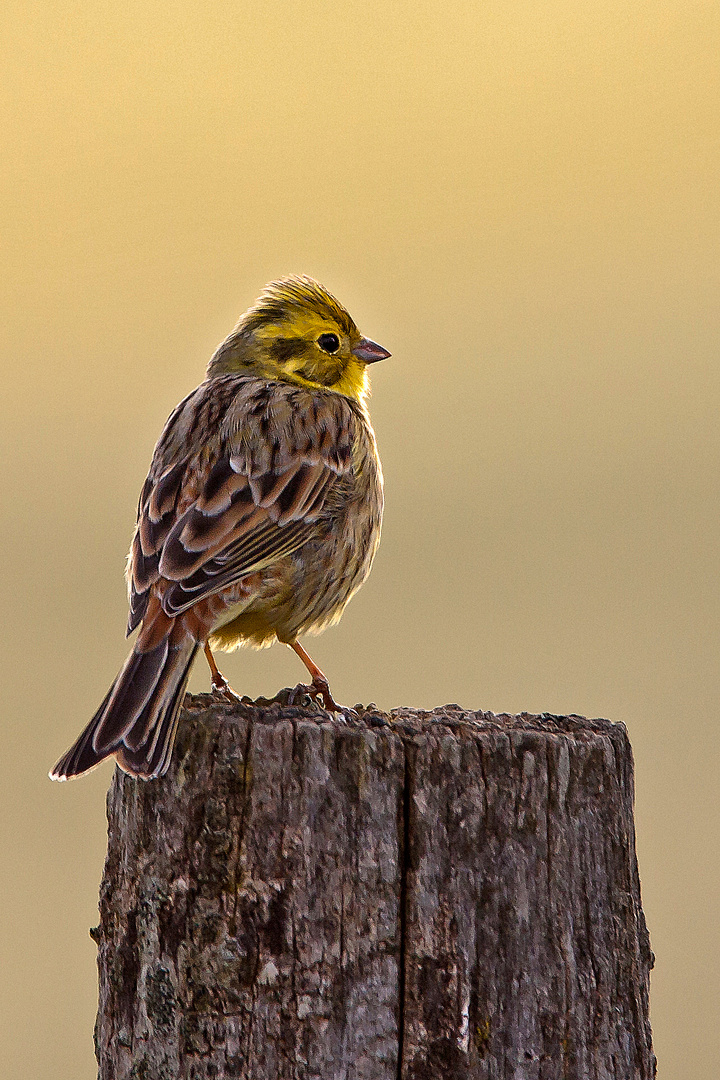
column 259, row 518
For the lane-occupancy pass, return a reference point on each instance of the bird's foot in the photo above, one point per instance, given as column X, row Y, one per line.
column 319, row 689
column 303, row 696
column 343, row 713
column 300, row 696
column 221, row 688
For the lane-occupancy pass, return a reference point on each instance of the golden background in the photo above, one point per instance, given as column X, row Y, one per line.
column 520, row 200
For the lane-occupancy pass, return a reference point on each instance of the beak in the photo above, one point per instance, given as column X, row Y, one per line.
column 369, row 351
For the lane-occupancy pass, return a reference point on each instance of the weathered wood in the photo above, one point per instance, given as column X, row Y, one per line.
column 404, row 897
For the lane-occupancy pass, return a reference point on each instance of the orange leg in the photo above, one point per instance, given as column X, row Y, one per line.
column 218, row 681
column 319, row 682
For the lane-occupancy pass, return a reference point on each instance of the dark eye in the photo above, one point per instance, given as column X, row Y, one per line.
column 329, row 343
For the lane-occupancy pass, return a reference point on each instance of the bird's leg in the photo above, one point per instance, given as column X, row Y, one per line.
column 319, row 683
column 218, row 682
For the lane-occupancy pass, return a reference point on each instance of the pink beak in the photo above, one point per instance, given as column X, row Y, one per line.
column 369, row 351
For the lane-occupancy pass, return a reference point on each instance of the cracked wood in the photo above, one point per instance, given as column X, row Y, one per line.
column 404, row 897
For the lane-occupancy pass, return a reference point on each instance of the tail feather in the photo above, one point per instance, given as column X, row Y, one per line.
column 135, row 686
column 165, row 685
column 151, row 757
column 81, row 757
column 137, row 721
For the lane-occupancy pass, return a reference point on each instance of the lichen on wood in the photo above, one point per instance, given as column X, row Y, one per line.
column 404, row 896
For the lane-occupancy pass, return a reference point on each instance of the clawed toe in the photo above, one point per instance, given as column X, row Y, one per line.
column 303, row 696
column 224, row 691
column 319, row 689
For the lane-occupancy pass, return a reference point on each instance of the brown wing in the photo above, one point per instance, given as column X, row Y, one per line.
column 247, row 496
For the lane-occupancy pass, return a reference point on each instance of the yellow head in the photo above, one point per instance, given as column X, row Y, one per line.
column 298, row 332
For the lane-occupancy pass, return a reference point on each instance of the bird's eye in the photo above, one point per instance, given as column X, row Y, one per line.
column 329, row 343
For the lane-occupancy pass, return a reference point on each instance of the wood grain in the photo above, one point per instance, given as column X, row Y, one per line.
column 403, row 897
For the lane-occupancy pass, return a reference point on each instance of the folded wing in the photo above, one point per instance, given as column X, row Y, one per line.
column 251, row 495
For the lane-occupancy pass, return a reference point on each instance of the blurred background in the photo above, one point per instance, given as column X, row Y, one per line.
column 521, row 201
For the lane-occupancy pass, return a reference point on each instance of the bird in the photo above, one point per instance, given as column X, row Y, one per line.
column 259, row 518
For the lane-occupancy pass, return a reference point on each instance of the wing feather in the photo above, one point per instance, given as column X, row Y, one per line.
column 247, row 496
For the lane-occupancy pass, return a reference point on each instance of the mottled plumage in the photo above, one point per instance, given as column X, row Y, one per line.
column 258, row 520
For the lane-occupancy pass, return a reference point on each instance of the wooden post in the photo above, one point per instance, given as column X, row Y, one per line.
column 413, row 896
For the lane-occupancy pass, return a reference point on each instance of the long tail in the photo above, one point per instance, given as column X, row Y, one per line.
column 138, row 719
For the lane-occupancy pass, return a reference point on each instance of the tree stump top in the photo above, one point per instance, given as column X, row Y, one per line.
column 404, row 721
